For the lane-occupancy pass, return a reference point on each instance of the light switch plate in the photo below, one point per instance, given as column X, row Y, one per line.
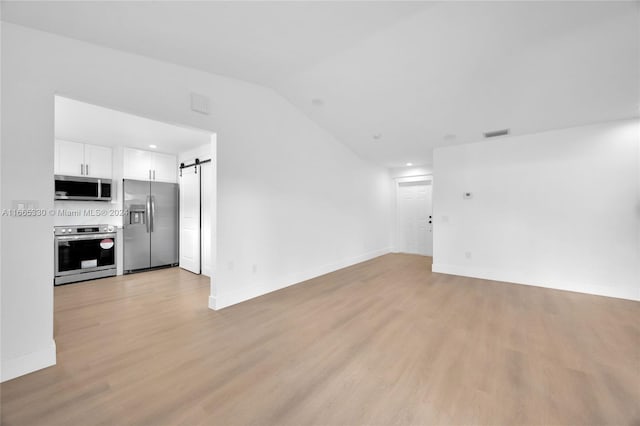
column 24, row 204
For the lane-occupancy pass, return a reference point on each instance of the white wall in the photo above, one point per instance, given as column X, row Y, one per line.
column 403, row 172
column 292, row 200
column 558, row 209
column 1, row 221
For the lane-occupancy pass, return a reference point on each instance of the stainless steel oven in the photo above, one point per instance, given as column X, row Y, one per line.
column 84, row 253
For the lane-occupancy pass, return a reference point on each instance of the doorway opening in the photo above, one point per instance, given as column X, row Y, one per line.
column 118, row 182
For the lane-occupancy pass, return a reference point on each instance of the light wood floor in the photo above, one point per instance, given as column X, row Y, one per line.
column 383, row 342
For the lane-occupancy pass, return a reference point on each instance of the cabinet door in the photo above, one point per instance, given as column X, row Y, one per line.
column 69, row 158
column 97, row 160
column 137, row 164
column 165, row 167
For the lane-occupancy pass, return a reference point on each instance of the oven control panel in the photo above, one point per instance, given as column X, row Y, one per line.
column 83, row 229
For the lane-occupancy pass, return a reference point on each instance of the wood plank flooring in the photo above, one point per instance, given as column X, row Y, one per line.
column 383, row 342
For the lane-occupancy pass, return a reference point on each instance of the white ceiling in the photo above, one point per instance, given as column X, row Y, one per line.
column 412, row 72
column 81, row 122
column 261, row 41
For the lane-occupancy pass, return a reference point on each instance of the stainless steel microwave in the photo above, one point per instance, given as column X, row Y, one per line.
column 82, row 188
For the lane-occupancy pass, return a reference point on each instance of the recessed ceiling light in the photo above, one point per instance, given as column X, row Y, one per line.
column 409, row 164
column 317, row 102
column 153, row 146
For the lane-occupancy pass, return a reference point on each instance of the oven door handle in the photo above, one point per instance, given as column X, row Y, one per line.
column 84, row 237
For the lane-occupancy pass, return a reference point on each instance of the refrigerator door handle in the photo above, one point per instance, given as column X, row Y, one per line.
column 153, row 211
column 147, row 212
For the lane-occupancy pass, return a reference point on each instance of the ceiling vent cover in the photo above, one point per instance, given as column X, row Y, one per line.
column 495, row 133
column 199, row 103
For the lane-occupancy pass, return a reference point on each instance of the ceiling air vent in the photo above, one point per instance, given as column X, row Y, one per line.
column 199, row 103
column 495, row 133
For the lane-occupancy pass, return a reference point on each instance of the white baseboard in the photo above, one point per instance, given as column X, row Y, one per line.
column 515, row 277
column 19, row 366
column 250, row 291
column 212, row 303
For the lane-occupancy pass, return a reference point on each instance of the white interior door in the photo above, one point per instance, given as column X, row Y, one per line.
column 190, row 220
column 415, row 230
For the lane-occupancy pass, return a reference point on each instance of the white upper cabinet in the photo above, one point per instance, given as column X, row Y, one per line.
column 98, row 161
column 69, row 158
column 137, row 164
column 165, row 167
column 147, row 165
column 79, row 159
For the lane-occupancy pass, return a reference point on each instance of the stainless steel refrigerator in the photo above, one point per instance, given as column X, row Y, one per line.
column 150, row 225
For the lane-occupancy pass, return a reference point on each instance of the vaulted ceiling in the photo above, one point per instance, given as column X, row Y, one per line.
column 392, row 80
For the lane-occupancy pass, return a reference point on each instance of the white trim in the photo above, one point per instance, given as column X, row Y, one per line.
column 210, row 269
column 212, row 303
column 522, row 278
column 416, row 178
column 15, row 367
column 223, row 300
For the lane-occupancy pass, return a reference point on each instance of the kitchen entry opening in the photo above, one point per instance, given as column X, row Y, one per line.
column 123, row 204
